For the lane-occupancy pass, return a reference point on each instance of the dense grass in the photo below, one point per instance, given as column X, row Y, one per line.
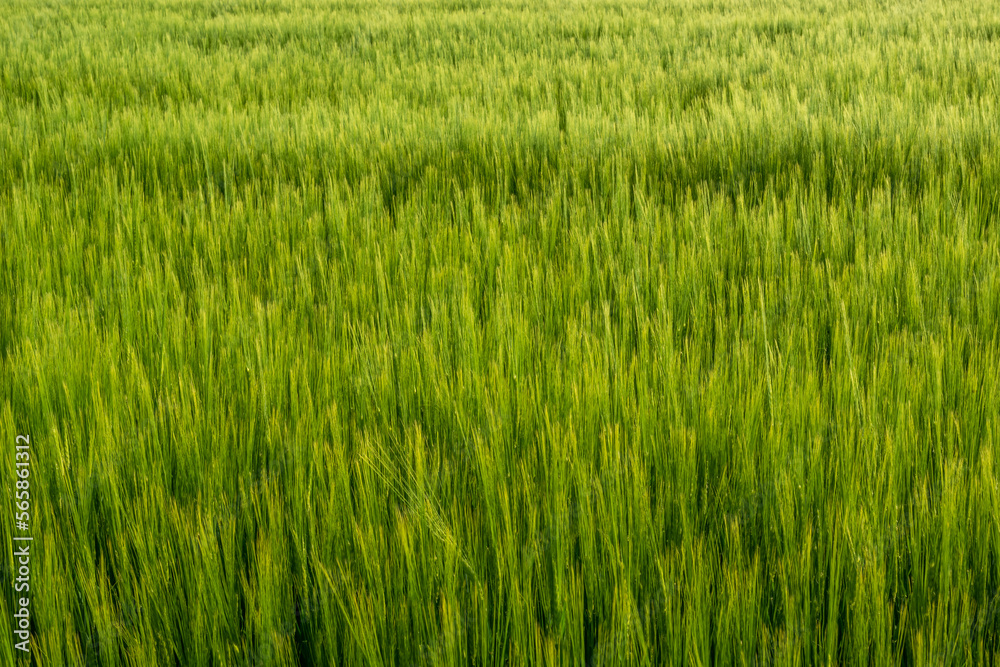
column 461, row 332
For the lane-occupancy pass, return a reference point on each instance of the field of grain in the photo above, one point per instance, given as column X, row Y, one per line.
column 494, row 332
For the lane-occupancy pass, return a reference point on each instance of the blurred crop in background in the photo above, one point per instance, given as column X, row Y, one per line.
column 503, row 333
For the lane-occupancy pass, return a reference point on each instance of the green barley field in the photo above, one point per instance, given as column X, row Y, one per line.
column 496, row 332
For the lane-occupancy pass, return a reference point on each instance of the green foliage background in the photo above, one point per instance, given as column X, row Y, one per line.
column 480, row 333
